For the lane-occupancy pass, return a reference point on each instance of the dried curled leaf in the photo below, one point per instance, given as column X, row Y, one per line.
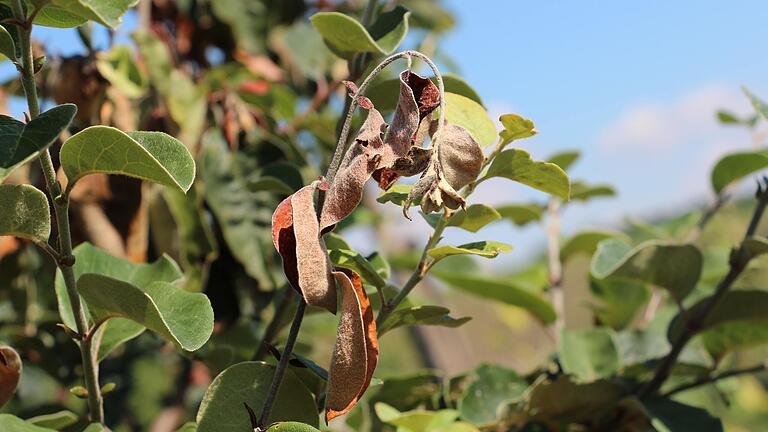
column 418, row 99
column 356, row 350
column 296, row 235
column 459, row 161
column 10, row 372
column 360, row 161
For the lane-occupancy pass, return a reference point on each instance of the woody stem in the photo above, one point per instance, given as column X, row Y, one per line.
column 341, row 145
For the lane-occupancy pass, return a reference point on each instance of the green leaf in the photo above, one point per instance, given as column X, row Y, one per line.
column 671, row 416
column 486, row 249
column 521, row 214
column 757, row 103
column 90, row 259
column 96, row 427
column 676, row 268
column 345, row 36
column 515, row 127
column 20, row 142
column 456, row 85
column 107, row 12
column 11, row 423
column 157, row 60
column 222, row 407
column 188, row 427
column 502, row 290
column 588, row 354
column 291, row 427
column 517, row 165
column 583, row 192
column 735, row 166
column 474, row 217
column 565, row 159
column 562, row 400
column 28, row 215
column 421, row 315
column 7, row 45
column 618, row 301
column 397, row 194
column 118, row 67
column 738, row 321
column 58, row 420
column 390, row 29
column 183, row 318
column 494, row 386
column 470, row 115
column 586, row 242
column 151, row 156
column 354, row 261
column 755, row 246
column 422, row 421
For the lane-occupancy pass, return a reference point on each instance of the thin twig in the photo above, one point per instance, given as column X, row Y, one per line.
column 555, row 265
column 714, row 378
column 738, row 262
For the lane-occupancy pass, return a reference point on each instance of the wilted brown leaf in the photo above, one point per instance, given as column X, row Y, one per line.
column 356, row 350
column 10, row 372
column 360, row 161
column 296, row 235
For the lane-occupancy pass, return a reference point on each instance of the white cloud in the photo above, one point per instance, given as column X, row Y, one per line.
column 662, row 125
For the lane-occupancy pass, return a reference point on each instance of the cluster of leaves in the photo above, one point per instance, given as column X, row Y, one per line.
column 256, row 124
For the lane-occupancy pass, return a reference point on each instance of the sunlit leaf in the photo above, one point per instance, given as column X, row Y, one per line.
column 11, row 423
column 486, row 249
column 151, row 156
column 291, row 427
column 20, row 142
column 183, row 318
column 397, row 194
column 352, row 260
column 345, row 35
column 585, row 242
column 222, row 407
column 736, row 166
column 515, row 127
column 119, row 68
column 581, row 191
column 421, row 315
column 465, row 112
column 58, row 420
column 517, row 165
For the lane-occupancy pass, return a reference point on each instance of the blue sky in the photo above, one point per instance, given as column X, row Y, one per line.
column 633, row 85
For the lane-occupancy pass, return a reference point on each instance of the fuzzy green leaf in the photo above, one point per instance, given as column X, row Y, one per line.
column 179, row 316
column 151, row 156
column 474, row 217
column 486, row 249
column 90, row 259
column 222, row 407
column 588, row 354
column 517, row 165
column 465, row 112
column 502, row 290
column 736, row 166
column 26, row 212
column 345, row 36
column 291, row 427
column 421, row 315
column 73, row 13
column 20, row 142
column 676, row 268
